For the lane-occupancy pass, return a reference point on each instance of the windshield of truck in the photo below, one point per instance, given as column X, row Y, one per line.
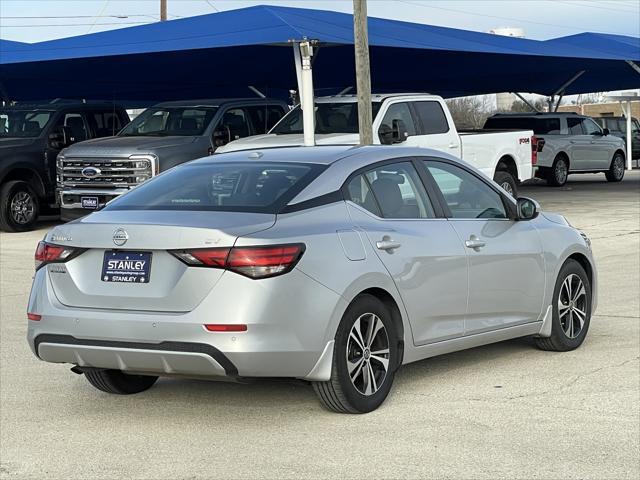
column 339, row 117
column 539, row 125
column 23, row 123
column 221, row 186
column 170, row 121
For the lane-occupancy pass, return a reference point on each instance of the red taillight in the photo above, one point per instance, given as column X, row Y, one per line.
column 50, row 253
column 34, row 316
column 225, row 328
column 537, row 144
column 254, row 262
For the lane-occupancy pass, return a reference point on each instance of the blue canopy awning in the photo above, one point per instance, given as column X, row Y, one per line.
column 222, row 53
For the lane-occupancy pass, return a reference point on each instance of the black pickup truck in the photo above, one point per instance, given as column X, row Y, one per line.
column 31, row 136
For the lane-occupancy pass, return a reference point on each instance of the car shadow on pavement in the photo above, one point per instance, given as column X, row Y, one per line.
column 187, row 397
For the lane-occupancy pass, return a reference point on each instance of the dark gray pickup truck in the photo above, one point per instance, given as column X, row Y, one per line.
column 94, row 172
column 30, row 138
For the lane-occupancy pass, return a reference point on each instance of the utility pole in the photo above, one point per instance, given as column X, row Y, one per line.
column 363, row 71
column 163, row 10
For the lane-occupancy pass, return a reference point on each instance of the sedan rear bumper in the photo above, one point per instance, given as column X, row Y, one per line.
column 287, row 333
column 170, row 358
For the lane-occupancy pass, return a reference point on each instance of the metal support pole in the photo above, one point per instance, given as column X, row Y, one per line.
column 302, row 53
column 627, row 114
column 363, row 71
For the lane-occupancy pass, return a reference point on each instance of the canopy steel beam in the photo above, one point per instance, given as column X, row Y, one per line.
column 560, row 91
column 633, row 65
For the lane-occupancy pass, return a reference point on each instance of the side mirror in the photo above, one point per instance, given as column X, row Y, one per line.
column 221, row 136
column 60, row 138
column 528, row 209
column 386, row 134
column 605, row 131
column 399, row 130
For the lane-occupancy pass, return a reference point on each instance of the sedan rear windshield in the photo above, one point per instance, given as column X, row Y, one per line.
column 226, row 187
column 540, row 126
column 170, row 121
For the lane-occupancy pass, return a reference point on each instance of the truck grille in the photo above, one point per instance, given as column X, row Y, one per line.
column 105, row 172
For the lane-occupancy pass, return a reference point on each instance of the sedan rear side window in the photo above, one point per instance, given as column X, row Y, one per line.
column 391, row 191
column 232, row 187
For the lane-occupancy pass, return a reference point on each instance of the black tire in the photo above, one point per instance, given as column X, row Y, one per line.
column 118, row 382
column 507, row 182
column 559, row 172
column 560, row 341
column 616, row 170
column 19, row 207
column 340, row 394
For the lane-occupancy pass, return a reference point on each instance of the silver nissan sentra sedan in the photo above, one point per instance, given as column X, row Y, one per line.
column 334, row 265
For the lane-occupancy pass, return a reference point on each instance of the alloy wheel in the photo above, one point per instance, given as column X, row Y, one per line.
column 368, row 354
column 572, row 305
column 561, row 172
column 618, row 167
column 23, row 207
column 506, row 186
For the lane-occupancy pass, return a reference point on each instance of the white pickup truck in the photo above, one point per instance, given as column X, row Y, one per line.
column 414, row 120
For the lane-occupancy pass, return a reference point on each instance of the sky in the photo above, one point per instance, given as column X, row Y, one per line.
column 38, row 20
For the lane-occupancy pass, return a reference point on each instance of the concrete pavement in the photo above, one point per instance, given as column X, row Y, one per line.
column 502, row 411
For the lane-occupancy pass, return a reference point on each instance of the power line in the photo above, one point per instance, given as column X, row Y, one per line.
column 27, row 17
column 104, row 7
column 522, row 20
column 598, row 6
column 74, row 24
column 212, row 6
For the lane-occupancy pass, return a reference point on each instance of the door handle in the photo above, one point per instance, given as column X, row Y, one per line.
column 475, row 243
column 387, row 245
column 453, row 145
column 572, row 141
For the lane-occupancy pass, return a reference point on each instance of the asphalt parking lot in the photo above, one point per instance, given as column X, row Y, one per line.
column 502, row 411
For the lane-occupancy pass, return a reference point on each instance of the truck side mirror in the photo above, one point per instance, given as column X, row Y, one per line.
column 221, row 136
column 60, row 138
column 605, row 131
column 386, row 134
column 399, row 130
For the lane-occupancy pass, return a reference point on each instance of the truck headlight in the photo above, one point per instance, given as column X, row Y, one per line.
column 142, row 178
column 141, row 164
column 59, row 161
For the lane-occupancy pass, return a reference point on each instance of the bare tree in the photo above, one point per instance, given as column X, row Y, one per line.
column 469, row 112
column 519, row 106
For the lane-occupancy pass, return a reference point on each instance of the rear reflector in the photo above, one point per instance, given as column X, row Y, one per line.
column 253, row 262
column 34, row 316
column 225, row 328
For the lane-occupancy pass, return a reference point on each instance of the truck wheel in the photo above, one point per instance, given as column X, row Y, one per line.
column 118, row 382
column 559, row 172
column 507, row 182
column 364, row 359
column 19, row 206
column 616, row 170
